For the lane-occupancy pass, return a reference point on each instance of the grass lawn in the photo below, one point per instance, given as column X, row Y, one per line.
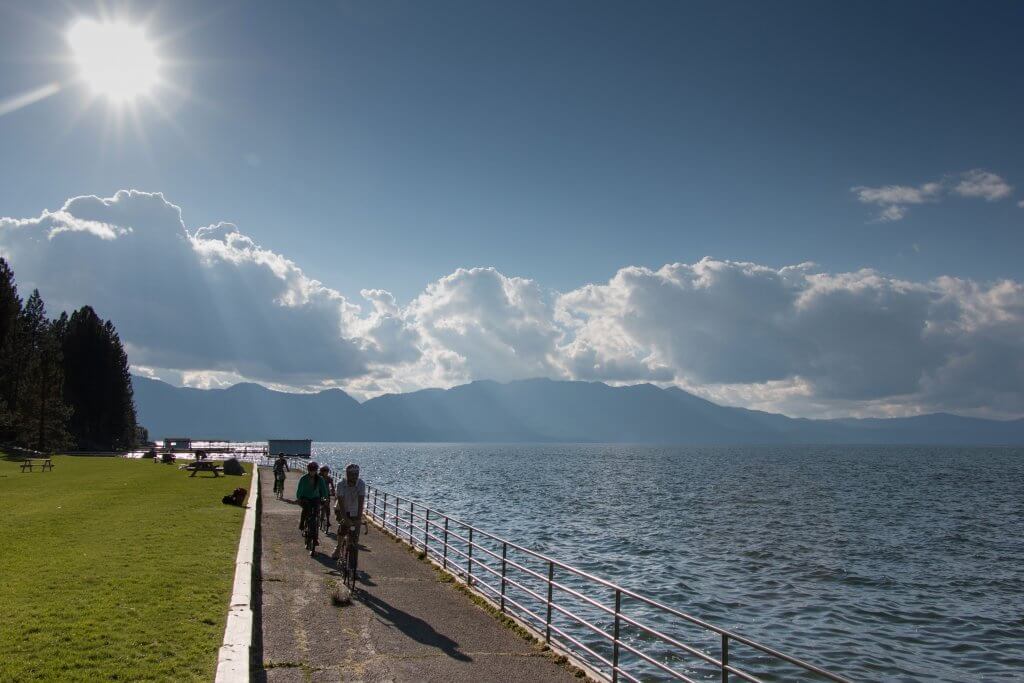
column 114, row 569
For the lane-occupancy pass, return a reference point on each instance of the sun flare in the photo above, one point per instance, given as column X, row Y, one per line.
column 115, row 59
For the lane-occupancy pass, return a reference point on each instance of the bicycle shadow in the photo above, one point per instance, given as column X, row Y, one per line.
column 413, row 627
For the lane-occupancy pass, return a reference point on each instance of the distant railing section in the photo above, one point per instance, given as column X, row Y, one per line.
column 600, row 624
column 213, row 450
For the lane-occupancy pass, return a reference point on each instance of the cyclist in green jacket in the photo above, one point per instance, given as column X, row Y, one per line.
column 312, row 488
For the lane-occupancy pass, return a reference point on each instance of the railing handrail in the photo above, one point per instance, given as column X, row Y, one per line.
column 403, row 523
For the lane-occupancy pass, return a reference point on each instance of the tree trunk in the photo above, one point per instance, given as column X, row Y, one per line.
column 44, row 378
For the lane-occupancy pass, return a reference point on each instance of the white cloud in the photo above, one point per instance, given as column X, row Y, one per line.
column 211, row 300
column 983, row 184
column 893, row 200
column 805, row 340
column 897, row 194
column 487, row 325
column 210, row 307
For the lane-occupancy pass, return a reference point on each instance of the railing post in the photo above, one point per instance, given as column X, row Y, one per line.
column 384, row 517
column 725, row 658
column 398, row 505
column 411, row 506
column 426, row 534
column 615, row 632
column 444, row 561
column 547, row 621
column 469, row 560
column 375, row 503
column 504, row 554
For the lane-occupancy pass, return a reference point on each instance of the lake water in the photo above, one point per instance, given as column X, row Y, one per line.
column 879, row 563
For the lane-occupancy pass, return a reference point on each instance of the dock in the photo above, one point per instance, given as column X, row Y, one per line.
column 405, row 623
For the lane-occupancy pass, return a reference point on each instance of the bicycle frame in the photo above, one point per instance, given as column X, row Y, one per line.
column 312, row 524
column 349, row 559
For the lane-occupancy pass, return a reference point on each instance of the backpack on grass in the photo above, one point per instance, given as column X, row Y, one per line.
column 236, row 497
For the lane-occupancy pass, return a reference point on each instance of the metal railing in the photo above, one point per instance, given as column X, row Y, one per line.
column 601, row 625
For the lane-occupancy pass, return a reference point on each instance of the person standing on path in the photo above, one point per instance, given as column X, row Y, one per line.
column 351, row 493
column 280, row 467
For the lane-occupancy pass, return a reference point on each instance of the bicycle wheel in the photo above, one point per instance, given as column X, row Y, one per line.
column 353, row 561
column 311, row 540
column 342, row 564
column 311, row 529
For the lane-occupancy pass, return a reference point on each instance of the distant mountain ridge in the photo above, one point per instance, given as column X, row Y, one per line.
column 536, row 410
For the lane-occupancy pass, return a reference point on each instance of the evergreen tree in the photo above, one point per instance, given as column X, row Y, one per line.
column 98, row 383
column 41, row 415
column 10, row 350
column 122, row 425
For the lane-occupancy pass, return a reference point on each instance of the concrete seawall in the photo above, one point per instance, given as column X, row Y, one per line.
column 234, row 661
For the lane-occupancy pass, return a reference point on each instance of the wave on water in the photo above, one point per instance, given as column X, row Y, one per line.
column 878, row 563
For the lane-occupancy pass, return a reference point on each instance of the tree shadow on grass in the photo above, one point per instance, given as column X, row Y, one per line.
column 413, row 627
column 13, row 454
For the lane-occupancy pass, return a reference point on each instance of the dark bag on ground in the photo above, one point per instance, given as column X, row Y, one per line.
column 237, row 497
column 232, row 466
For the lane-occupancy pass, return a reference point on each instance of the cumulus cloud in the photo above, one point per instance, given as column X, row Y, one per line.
column 754, row 335
column 210, row 307
column 491, row 325
column 894, row 201
column 209, row 300
column 983, row 184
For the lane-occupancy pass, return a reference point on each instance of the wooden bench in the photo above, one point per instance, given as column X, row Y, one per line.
column 28, row 464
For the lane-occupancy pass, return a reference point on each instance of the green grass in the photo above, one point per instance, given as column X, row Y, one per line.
column 114, row 569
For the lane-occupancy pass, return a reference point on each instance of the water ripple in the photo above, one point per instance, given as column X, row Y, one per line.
column 879, row 563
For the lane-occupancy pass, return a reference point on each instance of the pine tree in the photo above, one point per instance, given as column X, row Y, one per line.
column 98, row 383
column 41, row 415
column 10, row 350
column 121, row 427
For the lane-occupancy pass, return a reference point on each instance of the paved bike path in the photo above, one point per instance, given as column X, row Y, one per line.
column 402, row 625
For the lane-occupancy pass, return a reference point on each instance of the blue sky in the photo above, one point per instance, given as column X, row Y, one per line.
column 385, row 145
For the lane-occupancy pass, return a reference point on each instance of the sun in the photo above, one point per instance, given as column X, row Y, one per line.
column 115, row 59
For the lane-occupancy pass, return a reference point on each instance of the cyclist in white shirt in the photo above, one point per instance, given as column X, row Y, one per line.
column 351, row 496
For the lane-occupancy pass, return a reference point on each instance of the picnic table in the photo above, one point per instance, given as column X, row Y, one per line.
column 204, row 466
column 28, row 463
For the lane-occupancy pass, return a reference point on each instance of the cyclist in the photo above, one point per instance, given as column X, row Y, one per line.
column 309, row 492
column 280, row 467
column 351, row 492
column 325, row 474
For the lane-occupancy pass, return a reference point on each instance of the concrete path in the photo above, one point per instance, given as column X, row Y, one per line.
column 402, row 625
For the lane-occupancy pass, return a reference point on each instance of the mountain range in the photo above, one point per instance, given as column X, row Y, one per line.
column 536, row 410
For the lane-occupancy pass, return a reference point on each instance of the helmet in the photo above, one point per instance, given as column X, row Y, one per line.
column 312, row 466
column 352, row 467
column 324, row 468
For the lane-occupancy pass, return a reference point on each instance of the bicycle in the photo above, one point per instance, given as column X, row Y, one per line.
column 279, row 486
column 325, row 515
column 348, row 561
column 308, row 525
